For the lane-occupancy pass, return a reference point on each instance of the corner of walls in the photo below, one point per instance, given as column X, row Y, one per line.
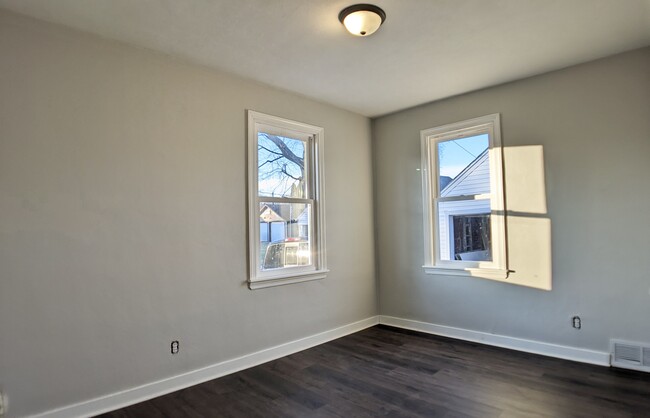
column 376, row 231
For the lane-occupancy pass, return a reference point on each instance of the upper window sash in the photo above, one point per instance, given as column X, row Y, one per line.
column 430, row 138
column 313, row 198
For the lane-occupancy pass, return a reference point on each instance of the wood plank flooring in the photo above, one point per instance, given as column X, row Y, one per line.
column 384, row 371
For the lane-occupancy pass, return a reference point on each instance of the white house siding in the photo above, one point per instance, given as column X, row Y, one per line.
column 303, row 222
column 475, row 179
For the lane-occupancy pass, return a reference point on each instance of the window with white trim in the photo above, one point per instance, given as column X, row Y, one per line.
column 464, row 216
column 285, row 201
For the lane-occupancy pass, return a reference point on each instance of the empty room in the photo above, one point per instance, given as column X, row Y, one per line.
column 319, row 208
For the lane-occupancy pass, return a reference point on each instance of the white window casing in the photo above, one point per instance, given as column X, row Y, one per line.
column 434, row 263
column 312, row 136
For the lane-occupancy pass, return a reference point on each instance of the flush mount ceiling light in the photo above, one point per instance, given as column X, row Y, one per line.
column 362, row 19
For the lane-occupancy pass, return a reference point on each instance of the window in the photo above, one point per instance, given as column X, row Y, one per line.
column 463, row 199
column 285, row 201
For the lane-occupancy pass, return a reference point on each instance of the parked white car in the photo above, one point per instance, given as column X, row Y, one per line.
column 290, row 252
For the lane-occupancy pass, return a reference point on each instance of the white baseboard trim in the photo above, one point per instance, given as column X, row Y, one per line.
column 536, row 347
column 161, row 387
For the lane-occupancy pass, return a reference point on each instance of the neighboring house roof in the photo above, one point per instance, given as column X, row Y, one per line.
column 444, row 181
column 273, row 212
column 303, row 218
column 268, row 215
column 478, row 169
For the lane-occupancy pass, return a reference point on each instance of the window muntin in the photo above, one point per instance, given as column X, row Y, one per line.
column 286, row 222
column 463, row 199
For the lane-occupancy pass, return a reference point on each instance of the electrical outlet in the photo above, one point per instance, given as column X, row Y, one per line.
column 175, row 347
column 576, row 322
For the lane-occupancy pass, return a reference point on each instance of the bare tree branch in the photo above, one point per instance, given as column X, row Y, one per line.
column 284, row 171
column 268, row 150
column 278, row 164
column 271, row 161
column 286, row 151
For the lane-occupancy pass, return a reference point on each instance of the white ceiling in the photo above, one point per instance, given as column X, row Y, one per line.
column 426, row 50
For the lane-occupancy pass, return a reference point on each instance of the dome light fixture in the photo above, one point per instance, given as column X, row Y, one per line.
column 362, row 19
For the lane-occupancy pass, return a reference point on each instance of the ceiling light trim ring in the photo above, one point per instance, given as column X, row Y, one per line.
column 362, row 7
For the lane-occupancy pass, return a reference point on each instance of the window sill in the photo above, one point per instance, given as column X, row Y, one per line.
column 495, row 274
column 281, row 281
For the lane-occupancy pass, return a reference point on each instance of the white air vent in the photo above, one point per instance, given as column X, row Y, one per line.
column 629, row 355
column 646, row 356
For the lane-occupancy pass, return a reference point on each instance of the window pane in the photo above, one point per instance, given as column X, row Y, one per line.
column 280, row 166
column 471, row 237
column 284, row 235
column 464, row 230
column 464, row 166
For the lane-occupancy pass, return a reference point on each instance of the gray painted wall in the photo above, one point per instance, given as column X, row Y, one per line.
column 122, row 218
column 122, row 214
column 577, row 160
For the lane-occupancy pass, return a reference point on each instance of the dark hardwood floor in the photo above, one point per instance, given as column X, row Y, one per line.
column 384, row 371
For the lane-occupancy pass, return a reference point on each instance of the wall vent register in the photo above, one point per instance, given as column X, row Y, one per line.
column 629, row 355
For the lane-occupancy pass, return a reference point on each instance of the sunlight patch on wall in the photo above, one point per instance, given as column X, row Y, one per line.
column 529, row 227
